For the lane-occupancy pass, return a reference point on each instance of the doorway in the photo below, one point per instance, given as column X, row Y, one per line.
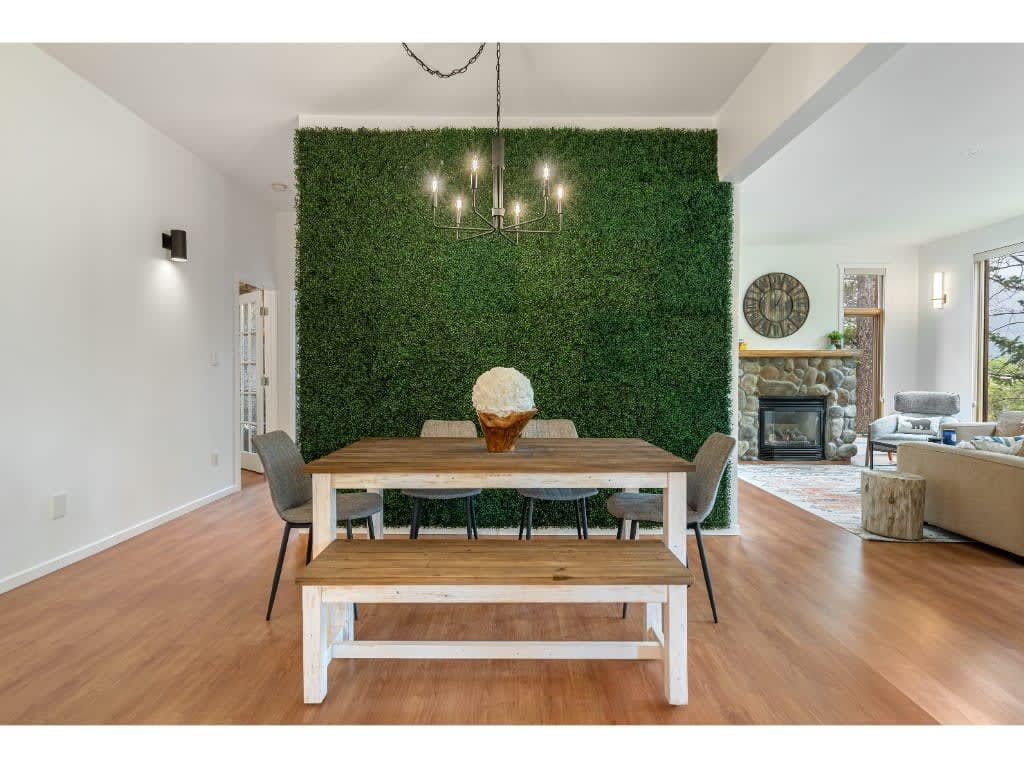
column 254, row 354
column 863, row 293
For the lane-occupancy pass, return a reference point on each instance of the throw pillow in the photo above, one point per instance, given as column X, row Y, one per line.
column 967, row 445
column 1010, row 424
column 917, row 425
column 1004, row 445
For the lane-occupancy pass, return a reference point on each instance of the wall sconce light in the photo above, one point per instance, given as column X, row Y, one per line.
column 939, row 297
column 175, row 243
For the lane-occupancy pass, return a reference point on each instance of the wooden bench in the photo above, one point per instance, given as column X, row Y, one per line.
column 492, row 571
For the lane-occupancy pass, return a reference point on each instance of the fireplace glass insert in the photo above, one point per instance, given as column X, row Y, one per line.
column 791, row 428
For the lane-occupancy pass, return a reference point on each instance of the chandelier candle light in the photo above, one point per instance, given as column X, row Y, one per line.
column 496, row 223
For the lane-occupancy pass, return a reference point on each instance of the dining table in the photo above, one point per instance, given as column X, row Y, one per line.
column 571, row 572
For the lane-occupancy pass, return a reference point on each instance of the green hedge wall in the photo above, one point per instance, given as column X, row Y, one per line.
column 622, row 322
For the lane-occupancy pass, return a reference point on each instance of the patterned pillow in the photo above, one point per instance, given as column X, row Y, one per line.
column 1004, row 445
column 917, row 425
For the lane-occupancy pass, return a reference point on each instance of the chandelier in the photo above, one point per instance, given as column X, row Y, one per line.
column 497, row 223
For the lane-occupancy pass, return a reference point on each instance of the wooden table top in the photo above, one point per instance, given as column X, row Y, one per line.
column 362, row 562
column 405, row 455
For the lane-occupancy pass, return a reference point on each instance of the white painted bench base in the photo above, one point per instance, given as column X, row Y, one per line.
column 328, row 629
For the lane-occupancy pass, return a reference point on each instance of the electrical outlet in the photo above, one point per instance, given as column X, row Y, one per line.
column 214, row 459
column 59, row 506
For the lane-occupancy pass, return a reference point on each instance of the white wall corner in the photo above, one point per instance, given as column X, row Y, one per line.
column 789, row 88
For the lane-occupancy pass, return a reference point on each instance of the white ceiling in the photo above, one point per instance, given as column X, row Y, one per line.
column 930, row 145
column 236, row 105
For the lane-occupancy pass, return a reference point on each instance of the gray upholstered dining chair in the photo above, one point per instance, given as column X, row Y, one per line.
column 701, row 492
column 543, row 428
column 439, row 428
column 291, row 490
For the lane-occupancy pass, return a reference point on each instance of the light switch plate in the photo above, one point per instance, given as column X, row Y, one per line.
column 214, row 359
column 214, row 458
column 59, row 506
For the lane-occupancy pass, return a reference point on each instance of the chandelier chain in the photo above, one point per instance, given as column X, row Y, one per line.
column 497, row 68
column 438, row 73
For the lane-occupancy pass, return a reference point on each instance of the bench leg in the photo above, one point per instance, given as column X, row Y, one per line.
column 316, row 652
column 674, row 645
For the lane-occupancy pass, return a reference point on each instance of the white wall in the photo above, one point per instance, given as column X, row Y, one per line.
column 948, row 335
column 817, row 267
column 108, row 386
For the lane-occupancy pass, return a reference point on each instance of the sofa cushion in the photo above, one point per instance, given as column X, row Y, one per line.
column 1010, row 423
column 927, row 403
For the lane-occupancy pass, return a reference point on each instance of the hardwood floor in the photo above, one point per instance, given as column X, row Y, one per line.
column 818, row 626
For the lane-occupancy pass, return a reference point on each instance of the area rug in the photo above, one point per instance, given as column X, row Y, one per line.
column 830, row 491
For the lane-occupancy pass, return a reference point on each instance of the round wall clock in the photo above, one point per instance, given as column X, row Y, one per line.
column 776, row 305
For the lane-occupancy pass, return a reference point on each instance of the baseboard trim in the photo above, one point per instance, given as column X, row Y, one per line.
column 7, row 583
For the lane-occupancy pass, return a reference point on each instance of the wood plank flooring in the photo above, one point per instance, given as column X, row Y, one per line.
column 818, row 626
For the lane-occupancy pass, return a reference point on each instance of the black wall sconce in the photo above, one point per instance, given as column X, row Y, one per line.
column 175, row 243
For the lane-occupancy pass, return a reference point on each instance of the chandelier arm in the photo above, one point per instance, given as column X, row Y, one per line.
column 478, row 234
column 464, row 229
column 534, row 220
column 437, row 73
column 502, row 233
column 483, row 218
column 537, row 231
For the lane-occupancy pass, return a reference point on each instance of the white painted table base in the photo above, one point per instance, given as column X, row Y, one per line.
column 328, row 625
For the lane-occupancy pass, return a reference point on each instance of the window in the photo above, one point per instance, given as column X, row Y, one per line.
column 862, row 294
column 1001, row 329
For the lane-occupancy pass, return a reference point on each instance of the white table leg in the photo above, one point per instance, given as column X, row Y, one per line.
column 674, row 515
column 325, row 513
column 316, row 652
column 674, row 645
column 378, row 519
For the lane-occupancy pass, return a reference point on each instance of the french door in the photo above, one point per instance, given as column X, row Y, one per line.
column 252, row 379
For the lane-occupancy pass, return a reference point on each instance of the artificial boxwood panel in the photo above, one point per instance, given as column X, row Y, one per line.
column 622, row 322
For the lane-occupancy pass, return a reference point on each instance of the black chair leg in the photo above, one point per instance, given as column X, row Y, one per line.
column 309, row 545
column 529, row 522
column 469, row 518
column 707, row 573
column 633, row 526
column 348, row 529
column 579, row 524
column 414, row 523
column 618, row 531
column 522, row 516
column 472, row 516
column 369, row 528
column 586, row 523
column 280, row 562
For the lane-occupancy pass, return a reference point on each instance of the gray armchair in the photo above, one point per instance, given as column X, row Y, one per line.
column 925, row 405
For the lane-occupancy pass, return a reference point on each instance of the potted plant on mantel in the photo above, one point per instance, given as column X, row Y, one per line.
column 835, row 339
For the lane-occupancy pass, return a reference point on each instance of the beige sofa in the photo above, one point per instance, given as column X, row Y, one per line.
column 973, row 493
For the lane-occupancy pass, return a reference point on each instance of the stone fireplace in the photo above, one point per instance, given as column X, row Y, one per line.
column 829, row 376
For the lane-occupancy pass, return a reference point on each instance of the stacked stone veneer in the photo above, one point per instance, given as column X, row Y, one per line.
column 834, row 378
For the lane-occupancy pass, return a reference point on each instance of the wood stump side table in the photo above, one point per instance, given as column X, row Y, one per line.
column 892, row 504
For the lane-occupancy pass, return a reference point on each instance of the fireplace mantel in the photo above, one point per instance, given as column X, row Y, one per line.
column 800, row 353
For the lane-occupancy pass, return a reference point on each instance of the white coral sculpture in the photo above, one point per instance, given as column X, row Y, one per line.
column 502, row 391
